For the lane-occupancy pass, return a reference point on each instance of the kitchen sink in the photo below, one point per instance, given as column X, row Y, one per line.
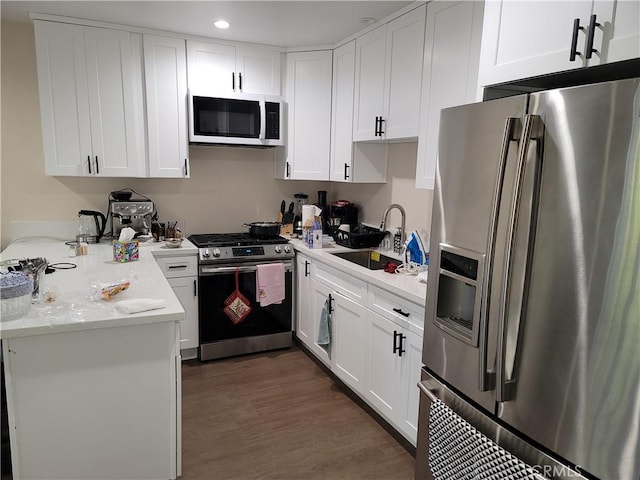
column 367, row 258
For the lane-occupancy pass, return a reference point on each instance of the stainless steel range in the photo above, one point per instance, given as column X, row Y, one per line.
column 229, row 261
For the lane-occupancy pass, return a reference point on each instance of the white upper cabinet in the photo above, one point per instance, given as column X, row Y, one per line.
column 216, row 68
column 91, row 100
column 166, row 94
column 527, row 38
column 388, row 74
column 308, row 97
column 350, row 162
column 618, row 36
column 259, row 69
column 449, row 78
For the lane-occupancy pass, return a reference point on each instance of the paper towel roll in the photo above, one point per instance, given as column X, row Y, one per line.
column 309, row 212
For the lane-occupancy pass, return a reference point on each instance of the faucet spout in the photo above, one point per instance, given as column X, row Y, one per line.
column 403, row 214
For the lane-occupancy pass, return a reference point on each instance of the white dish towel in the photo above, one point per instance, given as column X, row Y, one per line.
column 137, row 305
column 271, row 284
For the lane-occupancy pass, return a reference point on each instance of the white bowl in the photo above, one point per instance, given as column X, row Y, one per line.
column 172, row 242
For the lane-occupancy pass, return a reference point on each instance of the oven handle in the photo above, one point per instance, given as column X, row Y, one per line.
column 226, row 270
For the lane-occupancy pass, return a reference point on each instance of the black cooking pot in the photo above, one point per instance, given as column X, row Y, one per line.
column 263, row 229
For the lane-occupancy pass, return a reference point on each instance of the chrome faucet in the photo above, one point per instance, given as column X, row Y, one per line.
column 383, row 223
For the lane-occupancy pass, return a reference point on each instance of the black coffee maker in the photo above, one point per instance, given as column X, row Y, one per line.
column 343, row 212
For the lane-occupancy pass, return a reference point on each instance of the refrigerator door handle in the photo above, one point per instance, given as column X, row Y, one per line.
column 508, row 332
column 487, row 378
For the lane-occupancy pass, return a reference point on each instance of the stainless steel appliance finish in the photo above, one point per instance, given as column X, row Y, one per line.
column 239, row 119
column 265, row 328
column 136, row 214
column 532, row 300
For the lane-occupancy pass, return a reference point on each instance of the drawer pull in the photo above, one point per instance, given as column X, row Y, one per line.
column 173, row 267
column 398, row 310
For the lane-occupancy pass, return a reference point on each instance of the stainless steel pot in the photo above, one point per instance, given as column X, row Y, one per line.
column 263, row 229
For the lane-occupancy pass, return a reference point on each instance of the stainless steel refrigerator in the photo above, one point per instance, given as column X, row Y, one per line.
column 532, row 331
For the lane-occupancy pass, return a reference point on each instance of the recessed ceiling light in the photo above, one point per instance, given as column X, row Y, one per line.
column 221, row 24
column 367, row 20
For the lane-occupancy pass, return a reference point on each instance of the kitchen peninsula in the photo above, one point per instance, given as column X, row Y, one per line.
column 93, row 392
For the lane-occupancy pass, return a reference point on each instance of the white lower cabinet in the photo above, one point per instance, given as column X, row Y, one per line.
column 182, row 275
column 348, row 357
column 393, row 366
column 304, row 323
column 376, row 343
column 310, row 300
column 320, row 293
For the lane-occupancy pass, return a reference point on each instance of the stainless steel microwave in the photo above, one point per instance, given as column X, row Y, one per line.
column 242, row 119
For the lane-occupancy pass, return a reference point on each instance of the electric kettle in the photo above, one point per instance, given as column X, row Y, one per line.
column 91, row 225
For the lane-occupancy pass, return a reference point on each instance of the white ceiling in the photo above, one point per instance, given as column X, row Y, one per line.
column 281, row 23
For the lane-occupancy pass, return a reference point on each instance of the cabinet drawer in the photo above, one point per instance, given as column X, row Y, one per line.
column 350, row 287
column 397, row 309
column 173, row 267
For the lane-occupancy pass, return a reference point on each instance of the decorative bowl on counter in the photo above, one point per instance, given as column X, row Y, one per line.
column 15, row 295
column 172, row 242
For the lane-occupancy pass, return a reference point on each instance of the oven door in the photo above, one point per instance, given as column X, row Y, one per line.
column 218, row 282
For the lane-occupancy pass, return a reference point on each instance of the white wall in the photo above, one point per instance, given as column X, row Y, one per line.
column 228, row 185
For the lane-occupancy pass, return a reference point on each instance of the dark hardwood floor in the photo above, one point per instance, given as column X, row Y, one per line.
column 277, row 415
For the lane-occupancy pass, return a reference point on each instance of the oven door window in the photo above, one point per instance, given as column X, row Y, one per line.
column 225, row 117
column 215, row 325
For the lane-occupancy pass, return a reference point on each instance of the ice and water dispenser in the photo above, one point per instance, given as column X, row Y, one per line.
column 459, row 292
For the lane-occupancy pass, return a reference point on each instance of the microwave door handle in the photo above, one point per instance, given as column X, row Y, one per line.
column 262, row 119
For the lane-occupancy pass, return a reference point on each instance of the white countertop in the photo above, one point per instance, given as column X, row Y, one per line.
column 405, row 286
column 77, row 307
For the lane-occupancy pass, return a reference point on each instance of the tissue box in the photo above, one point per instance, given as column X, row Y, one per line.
column 125, row 251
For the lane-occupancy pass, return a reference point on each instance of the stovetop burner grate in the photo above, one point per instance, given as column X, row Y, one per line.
column 207, row 240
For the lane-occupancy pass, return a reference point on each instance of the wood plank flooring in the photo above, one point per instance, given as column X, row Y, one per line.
column 277, row 415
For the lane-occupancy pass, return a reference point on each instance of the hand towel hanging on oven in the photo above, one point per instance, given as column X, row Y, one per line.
column 324, row 327
column 237, row 306
column 270, row 283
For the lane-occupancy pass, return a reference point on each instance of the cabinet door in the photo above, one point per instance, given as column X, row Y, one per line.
column 348, row 359
column 211, row 67
column 258, row 70
column 526, row 38
column 319, row 294
column 64, row 99
column 114, row 77
column 403, row 75
column 618, row 36
column 369, row 83
column 342, row 112
column 186, row 289
column 165, row 68
column 451, row 56
column 304, row 316
column 383, row 366
column 409, row 393
column 308, row 95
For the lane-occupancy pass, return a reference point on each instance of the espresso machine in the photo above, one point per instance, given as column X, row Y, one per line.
column 136, row 213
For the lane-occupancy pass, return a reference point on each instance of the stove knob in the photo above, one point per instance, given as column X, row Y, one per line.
column 287, row 249
column 216, row 252
column 277, row 249
column 206, row 253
